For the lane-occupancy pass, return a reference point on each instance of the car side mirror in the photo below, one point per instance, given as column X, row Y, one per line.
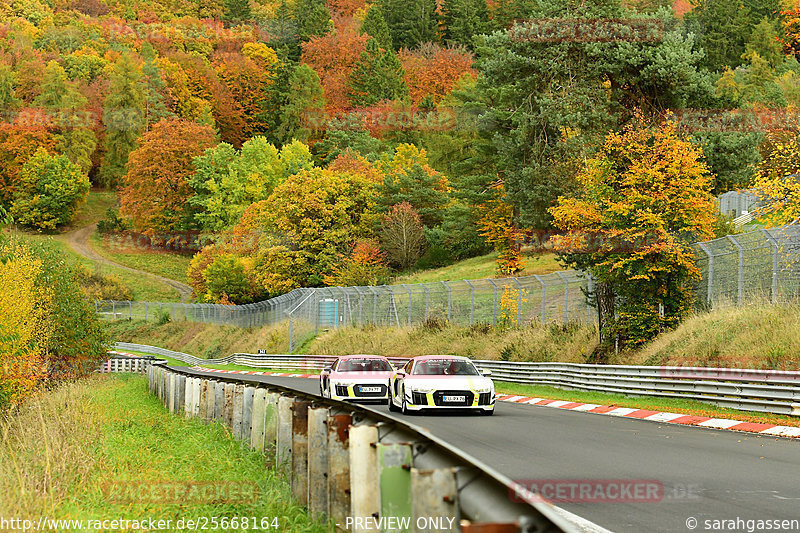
column 487, row 373
column 327, row 369
column 401, row 372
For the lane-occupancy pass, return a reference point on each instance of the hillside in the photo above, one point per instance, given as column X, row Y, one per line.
column 751, row 337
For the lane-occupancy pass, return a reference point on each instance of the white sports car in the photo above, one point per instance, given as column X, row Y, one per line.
column 441, row 382
column 356, row 378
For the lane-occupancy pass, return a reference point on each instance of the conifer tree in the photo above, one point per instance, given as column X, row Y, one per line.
column 377, row 76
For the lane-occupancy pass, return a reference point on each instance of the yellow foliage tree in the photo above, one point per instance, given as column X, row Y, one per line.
column 24, row 328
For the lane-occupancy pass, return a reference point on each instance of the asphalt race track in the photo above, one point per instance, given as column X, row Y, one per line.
column 707, row 474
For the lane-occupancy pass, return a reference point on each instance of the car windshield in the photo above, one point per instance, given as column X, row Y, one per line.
column 445, row 367
column 364, row 365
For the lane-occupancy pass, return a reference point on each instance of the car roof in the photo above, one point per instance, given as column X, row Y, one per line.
column 345, row 357
column 453, row 357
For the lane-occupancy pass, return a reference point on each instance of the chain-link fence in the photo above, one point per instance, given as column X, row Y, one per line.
column 739, row 269
column 758, row 266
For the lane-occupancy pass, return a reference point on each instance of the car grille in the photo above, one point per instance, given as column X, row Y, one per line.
column 485, row 398
column 438, row 397
column 419, row 398
column 379, row 394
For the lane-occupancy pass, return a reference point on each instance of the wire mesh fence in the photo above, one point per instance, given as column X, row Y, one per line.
column 739, row 269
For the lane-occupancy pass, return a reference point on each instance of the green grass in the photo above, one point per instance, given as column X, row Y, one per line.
column 480, row 267
column 93, row 209
column 673, row 405
column 143, row 290
column 165, row 264
column 106, row 435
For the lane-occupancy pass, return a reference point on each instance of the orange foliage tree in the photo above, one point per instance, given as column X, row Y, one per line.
column 333, row 57
column 155, row 189
column 432, row 70
column 645, row 200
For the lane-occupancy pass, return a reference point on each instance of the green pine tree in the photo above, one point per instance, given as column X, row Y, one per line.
column 8, row 95
column 764, row 42
column 155, row 108
column 375, row 26
column 377, row 76
column 411, row 22
column 123, row 116
column 237, row 11
column 312, row 19
column 303, row 111
column 463, row 19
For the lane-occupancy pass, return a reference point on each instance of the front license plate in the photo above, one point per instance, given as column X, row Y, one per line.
column 370, row 389
column 454, row 398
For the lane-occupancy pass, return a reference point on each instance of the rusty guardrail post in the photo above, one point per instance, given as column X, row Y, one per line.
column 317, row 461
column 283, row 447
column 299, row 467
column 339, row 467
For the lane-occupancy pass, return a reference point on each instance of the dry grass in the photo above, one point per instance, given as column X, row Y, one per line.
column 571, row 343
column 46, row 450
column 202, row 340
column 757, row 336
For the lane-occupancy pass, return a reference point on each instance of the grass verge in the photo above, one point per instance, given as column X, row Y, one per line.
column 64, row 452
column 672, row 405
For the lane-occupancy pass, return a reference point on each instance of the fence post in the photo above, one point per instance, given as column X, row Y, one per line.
column 494, row 302
column 566, row 294
column 374, row 305
column 776, row 249
column 130, row 309
column 544, row 298
column 449, row 299
column 710, row 277
column 589, row 292
column 291, row 334
column 519, row 301
column 740, row 280
column 410, row 296
column 471, row 302
column 427, row 301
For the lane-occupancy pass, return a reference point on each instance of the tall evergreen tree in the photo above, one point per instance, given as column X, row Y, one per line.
column 411, row 22
column 312, row 19
column 303, row 108
column 463, row 19
column 375, row 26
column 8, row 94
column 237, row 11
column 155, row 108
column 64, row 101
column 123, row 116
column 377, row 76
column 764, row 42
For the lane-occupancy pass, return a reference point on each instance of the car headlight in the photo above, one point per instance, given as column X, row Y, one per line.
column 481, row 390
column 422, row 390
column 343, row 383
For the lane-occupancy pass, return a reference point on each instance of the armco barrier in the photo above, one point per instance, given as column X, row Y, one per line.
column 344, row 461
column 769, row 391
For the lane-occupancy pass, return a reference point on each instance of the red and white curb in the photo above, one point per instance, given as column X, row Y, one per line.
column 768, row 430
column 772, row 430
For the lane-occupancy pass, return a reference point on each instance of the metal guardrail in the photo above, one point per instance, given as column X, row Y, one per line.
column 119, row 363
column 345, row 460
column 768, row 391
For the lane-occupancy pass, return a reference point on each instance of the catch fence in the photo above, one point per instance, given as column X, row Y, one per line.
column 758, row 266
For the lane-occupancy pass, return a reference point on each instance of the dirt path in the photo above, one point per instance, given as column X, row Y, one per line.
column 78, row 240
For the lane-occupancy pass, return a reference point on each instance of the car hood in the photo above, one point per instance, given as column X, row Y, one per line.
column 449, row 382
column 361, row 376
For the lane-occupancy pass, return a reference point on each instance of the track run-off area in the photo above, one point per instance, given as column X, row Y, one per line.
column 702, row 474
